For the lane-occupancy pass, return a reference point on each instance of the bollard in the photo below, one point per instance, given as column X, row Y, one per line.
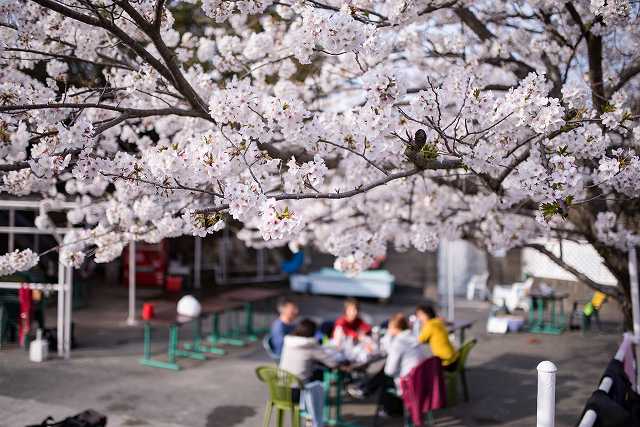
column 546, row 394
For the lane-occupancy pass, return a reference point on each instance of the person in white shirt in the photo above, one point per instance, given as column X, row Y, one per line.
column 301, row 355
column 404, row 352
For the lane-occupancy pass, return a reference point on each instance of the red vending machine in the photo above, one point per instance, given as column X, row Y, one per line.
column 151, row 264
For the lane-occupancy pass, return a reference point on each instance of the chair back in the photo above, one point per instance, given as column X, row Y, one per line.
column 326, row 328
column 266, row 344
column 281, row 384
column 423, row 389
column 463, row 354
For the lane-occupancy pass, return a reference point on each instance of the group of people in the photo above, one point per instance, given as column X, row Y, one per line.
column 404, row 345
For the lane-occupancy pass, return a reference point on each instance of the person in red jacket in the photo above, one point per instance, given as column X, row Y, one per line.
column 350, row 324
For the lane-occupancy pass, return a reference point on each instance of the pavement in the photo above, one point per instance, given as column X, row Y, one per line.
column 104, row 374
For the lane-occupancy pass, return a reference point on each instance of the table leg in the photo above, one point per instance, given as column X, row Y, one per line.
column 248, row 314
column 337, row 378
column 216, row 336
column 147, row 360
column 176, row 352
column 540, row 313
column 339, row 384
column 197, row 346
column 173, row 343
column 532, row 311
column 326, row 379
column 147, row 341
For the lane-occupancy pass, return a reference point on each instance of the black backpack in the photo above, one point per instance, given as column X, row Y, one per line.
column 88, row 418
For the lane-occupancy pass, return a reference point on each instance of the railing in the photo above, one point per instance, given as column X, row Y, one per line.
column 547, row 389
column 589, row 418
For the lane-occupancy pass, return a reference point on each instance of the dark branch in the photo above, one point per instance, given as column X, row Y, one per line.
column 608, row 290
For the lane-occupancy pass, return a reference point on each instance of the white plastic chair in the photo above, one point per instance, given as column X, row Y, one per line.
column 478, row 284
column 513, row 296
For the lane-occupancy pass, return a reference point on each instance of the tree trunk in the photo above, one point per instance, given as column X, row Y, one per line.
column 618, row 263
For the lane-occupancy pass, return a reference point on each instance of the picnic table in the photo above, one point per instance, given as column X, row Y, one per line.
column 539, row 322
column 167, row 318
column 335, row 378
column 248, row 297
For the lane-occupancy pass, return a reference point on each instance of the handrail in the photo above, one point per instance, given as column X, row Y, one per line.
column 589, row 418
column 34, row 286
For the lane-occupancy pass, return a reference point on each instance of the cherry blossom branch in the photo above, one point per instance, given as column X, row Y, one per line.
column 153, row 32
column 135, row 112
column 170, row 71
column 356, row 153
column 16, row 166
column 178, row 186
column 627, row 73
column 435, row 164
column 70, row 58
column 594, row 54
column 126, row 113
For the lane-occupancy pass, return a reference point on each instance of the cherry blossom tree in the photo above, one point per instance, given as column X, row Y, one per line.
column 354, row 126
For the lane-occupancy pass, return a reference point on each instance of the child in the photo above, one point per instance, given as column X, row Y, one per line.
column 403, row 354
column 434, row 332
column 350, row 324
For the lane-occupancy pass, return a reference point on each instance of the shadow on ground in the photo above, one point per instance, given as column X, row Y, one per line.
column 229, row 415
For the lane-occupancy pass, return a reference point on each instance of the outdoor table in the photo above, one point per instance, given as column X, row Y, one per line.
column 215, row 308
column 249, row 296
column 169, row 319
column 460, row 326
column 556, row 322
column 335, row 376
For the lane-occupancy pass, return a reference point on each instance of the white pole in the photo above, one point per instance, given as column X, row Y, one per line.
column 68, row 313
column 635, row 303
column 633, row 283
column 197, row 263
column 61, row 296
column 450, row 288
column 12, row 224
column 131, row 320
column 546, row 394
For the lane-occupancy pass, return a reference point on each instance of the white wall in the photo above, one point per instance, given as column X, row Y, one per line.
column 466, row 260
column 581, row 256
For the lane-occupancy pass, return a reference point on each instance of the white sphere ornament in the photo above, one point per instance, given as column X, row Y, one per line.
column 189, row 306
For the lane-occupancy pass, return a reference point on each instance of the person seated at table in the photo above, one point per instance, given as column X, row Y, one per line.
column 434, row 332
column 350, row 325
column 303, row 356
column 403, row 354
column 284, row 324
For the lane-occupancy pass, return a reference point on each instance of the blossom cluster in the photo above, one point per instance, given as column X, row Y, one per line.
column 18, row 261
column 353, row 126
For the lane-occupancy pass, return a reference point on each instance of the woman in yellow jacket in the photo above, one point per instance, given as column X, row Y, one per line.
column 435, row 333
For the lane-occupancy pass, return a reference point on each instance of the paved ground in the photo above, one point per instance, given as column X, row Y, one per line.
column 104, row 375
